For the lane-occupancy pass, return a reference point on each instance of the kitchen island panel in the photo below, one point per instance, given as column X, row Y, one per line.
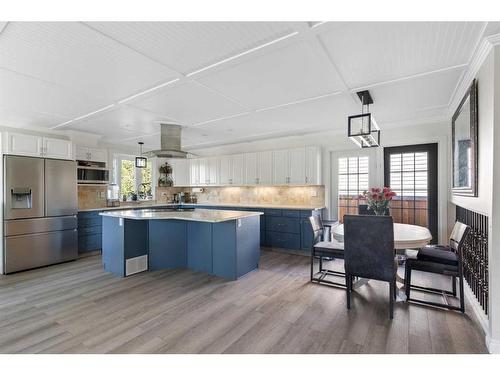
column 199, row 246
column 167, row 244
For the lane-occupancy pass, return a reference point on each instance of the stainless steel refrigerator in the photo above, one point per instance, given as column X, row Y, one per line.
column 40, row 208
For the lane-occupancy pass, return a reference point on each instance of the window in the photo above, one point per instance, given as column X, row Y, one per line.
column 133, row 180
column 352, row 181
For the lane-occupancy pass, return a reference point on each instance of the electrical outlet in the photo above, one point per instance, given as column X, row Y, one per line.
column 314, row 193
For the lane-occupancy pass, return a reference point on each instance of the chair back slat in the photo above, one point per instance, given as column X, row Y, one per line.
column 458, row 235
column 318, row 228
column 369, row 246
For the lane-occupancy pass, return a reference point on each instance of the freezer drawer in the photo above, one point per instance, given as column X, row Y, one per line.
column 30, row 226
column 41, row 249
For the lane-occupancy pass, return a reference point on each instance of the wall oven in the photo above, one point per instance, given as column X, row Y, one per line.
column 92, row 173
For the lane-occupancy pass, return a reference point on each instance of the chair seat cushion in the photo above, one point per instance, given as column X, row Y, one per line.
column 430, row 254
column 329, row 246
column 438, row 247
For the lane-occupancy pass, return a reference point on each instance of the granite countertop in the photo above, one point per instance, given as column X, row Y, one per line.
column 243, row 205
column 208, row 216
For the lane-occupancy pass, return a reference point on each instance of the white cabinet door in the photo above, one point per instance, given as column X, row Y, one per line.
column 238, row 169
column 24, row 144
column 82, row 153
column 251, row 170
column 204, row 172
column 194, row 171
column 97, row 154
column 280, row 167
column 313, row 165
column 180, row 171
column 265, row 168
column 213, row 171
column 57, row 148
column 297, row 166
column 226, row 170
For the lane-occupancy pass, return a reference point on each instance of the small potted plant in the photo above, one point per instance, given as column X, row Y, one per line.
column 378, row 199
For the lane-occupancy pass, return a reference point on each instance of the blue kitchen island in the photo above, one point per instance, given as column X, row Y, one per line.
column 219, row 242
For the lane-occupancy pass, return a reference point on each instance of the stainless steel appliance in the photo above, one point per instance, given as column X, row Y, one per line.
column 40, row 208
column 90, row 172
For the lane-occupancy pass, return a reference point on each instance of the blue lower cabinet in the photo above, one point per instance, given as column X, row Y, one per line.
column 283, row 240
column 283, row 224
column 306, row 234
column 89, row 231
column 199, row 246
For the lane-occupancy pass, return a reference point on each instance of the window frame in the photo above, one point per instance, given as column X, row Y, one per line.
column 117, row 161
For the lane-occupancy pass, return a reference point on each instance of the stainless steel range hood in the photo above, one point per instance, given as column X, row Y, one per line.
column 170, row 143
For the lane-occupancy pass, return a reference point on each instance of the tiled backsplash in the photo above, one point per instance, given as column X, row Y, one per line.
column 310, row 195
column 91, row 197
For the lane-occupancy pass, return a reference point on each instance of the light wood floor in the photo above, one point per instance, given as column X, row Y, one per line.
column 78, row 308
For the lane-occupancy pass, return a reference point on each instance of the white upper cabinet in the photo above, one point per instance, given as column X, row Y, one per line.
column 33, row 145
column 297, row 166
column 226, row 170
column 91, row 154
column 289, row 166
column 180, row 171
column 23, row 144
column 313, row 165
column 251, row 171
column 57, row 148
column 231, row 170
column 238, row 177
column 280, row 167
column 265, row 167
column 194, row 171
column 212, row 166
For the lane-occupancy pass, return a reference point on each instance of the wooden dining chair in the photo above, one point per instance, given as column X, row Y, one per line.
column 324, row 248
column 443, row 260
column 369, row 252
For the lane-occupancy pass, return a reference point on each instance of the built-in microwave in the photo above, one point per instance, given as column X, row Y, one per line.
column 92, row 173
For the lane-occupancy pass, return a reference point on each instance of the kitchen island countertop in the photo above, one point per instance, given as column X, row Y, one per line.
column 198, row 214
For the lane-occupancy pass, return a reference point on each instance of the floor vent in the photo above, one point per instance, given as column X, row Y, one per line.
column 136, row 265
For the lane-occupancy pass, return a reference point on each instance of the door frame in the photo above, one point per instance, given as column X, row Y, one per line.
column 432, row 167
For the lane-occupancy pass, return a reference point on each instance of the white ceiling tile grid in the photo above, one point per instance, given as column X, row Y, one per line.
column 251, row 80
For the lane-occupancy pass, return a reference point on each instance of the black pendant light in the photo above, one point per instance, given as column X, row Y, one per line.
column 141, row 161
column 363, row 129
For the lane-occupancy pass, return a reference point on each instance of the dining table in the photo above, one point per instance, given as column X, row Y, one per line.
column 406, row 237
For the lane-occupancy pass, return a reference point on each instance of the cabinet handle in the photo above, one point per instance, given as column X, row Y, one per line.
column 307, row 180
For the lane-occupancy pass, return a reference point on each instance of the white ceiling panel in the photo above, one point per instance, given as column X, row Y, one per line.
column 72, row 55
column 16, row 117
column 188, row 46
column 286, row 74
column 372, row 52
column 21, row 93
column 188, row 102
column 405, row 98
column 323, row 114
column 121, row 122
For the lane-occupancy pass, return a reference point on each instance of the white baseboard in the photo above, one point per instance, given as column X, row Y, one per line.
column 492, row 345
column 477, row 309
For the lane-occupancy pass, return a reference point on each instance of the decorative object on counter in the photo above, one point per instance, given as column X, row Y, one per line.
column 165, row 179
column 144, row 190
column 378, row 199
column 363, row 129
column 124, row 198
column 134, row 197
column 112, row 195
column 464, row 130
column 141, row 161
